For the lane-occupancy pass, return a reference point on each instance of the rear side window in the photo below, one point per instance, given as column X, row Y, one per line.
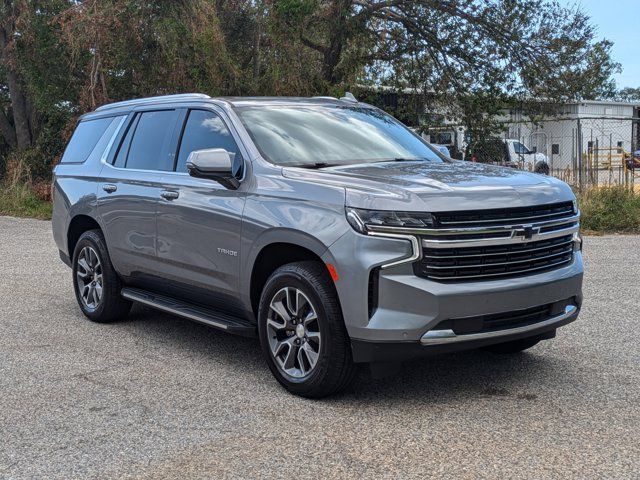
column 85, row 139
column 151, row 136
column 204, row 130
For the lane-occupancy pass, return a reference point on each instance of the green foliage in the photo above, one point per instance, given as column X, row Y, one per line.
column 295, row 9
column 610, row 210
column 20, row 200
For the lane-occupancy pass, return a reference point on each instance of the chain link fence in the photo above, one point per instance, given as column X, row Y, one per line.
column 584, row 152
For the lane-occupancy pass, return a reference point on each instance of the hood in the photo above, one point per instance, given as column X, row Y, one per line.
column 437, row 186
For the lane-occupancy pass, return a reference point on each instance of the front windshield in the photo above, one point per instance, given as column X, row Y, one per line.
column 327, row 135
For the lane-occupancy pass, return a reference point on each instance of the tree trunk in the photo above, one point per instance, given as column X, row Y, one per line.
column 337, row 40
column 20, row 112
column 7, row 130
column 19, row 105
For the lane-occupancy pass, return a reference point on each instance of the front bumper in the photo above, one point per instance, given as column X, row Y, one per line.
column 364, row 351
column 408, row 308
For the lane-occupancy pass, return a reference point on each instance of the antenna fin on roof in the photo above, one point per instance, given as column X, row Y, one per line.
column 348, row 96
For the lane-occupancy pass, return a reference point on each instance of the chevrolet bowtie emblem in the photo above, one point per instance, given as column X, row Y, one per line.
column 527, row 232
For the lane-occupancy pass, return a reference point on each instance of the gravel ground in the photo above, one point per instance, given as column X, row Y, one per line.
column 159, row 397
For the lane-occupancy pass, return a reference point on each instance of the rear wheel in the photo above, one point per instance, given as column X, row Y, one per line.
column 302, row 332
column 96, row 283
column 516, row 346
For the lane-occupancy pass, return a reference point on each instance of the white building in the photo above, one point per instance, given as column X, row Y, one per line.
column 608, row 132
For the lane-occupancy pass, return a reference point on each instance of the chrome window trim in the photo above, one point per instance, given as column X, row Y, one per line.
column 226, row 120
column 105, row 153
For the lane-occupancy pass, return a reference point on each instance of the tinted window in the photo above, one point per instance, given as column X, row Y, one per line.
column 121, row 157
column 84, row 139
column 206, row 130
column 302, row 135
column 520, row 148
column 149, row 145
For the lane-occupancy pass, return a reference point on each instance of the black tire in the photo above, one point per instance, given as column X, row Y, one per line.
column 516, row 346
column 542, row 168
column 111, row 305
column 334, row 369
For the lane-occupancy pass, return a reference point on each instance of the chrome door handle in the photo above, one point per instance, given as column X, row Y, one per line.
column 169, row 194
column 109, row 188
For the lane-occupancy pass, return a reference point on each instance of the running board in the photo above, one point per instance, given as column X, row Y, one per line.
column 223, row 321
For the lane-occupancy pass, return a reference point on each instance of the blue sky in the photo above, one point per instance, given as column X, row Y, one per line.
column 618, row 21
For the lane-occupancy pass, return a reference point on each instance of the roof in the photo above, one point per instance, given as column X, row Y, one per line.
column 605, row 102
column 235, row 101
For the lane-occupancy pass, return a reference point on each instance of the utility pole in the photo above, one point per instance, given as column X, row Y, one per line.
column 579, row 145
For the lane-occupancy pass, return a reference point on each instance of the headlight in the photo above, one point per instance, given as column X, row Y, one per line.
column 364, row 221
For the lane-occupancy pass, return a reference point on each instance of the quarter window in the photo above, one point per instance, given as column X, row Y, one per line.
column 205, row 129
column 85, row 139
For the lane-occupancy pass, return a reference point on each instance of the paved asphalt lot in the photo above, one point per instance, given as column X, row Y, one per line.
column 159, row 397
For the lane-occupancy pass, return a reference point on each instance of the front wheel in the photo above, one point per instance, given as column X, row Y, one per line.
column 542, row 168
column 302, row 332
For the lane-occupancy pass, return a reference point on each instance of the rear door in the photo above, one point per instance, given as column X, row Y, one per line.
column 199, row 220
column 129, row 189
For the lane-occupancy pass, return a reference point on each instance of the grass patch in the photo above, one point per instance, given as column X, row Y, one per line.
column 610, row 210
column 21, row 200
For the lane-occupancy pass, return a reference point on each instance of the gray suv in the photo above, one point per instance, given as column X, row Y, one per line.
column 322, row 226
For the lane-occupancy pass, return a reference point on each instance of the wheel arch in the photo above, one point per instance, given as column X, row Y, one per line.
column 77, row 226
column 272, row 252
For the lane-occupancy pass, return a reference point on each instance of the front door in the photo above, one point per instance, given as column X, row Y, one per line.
column 199, row 220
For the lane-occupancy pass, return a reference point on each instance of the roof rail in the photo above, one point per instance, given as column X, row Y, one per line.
column 161, row 99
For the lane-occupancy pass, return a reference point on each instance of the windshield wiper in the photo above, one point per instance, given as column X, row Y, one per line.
column 403, row 159
column 316, row 165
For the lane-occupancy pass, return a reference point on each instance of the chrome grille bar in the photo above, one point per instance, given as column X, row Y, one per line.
column 481, row 242
column 488, row 254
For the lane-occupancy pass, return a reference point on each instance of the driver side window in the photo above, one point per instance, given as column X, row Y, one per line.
column 204, row 129
column 520, row 148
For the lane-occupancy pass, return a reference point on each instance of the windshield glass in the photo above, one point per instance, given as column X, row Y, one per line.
column 326, row 135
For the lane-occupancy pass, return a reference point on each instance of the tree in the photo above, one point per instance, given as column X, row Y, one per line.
column 628, row 94
column 61, row 58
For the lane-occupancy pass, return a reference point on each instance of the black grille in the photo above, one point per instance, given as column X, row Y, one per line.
column 503, row 320
column 494, row 261
column 502, row 216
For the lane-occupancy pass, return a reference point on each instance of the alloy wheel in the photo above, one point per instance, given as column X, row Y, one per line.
column 89, row 278
column 293, row 332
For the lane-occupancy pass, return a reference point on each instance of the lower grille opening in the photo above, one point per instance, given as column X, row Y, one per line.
column 504, row 320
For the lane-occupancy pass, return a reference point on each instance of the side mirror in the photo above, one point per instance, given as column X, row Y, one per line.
column 215, row 164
